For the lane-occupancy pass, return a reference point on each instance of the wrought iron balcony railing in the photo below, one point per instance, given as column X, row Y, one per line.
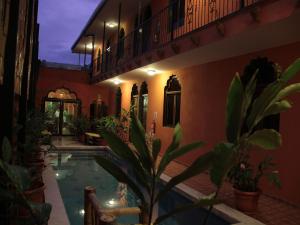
column 176, row 20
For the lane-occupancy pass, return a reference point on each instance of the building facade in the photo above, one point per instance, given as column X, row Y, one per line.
column 18, row 64
column 173, row 62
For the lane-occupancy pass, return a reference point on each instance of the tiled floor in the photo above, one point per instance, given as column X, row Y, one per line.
column 271, row 211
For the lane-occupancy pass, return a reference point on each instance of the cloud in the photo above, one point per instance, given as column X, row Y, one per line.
column 61, row 21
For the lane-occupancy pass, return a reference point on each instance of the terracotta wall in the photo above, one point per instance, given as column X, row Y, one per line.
column 76, row 81
column 204, row 90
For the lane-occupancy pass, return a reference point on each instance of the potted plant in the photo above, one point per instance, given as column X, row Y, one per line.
column 246, row 180
column 245, row 111
column 80, row 125
column 14, row 184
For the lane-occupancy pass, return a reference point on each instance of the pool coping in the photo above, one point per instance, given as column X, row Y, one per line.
column 58, row 214
column 228, row 213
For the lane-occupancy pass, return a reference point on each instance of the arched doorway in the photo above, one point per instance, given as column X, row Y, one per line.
column 62, row 107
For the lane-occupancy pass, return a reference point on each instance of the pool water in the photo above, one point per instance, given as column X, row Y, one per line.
column 76, row 170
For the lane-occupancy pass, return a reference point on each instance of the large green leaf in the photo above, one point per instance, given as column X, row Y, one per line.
column 201, row 164
column 234, row 109
column 138, row 139
column 120, row 175
column 199, row 203
column 285, row 92
column 291, row 71
column 169, row 157
column 156, row 147
column 19, row 176
column 223, row 159
column 266, row 139
column 177, row 135
column 6, row 150
column 266, row 98
column 125, row 153
column 277, row 107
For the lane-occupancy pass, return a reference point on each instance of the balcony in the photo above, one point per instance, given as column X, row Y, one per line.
column 172, row 23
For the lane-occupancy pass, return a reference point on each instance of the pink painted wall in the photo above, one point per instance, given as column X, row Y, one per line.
column 76, row 81
column 204, row 90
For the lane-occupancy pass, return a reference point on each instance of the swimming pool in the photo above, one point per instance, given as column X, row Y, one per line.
column 75, row 170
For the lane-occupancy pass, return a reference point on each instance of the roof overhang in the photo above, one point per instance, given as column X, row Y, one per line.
column 108, row 11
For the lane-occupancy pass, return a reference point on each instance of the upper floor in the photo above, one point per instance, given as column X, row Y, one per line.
column 122, row 36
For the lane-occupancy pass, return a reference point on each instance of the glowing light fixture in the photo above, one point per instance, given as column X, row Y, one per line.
column 57, row 174
column 81, row 212
column 151, row 72
column 89, row 46
column 116, row 81
column 111, row 24
column 112, row 203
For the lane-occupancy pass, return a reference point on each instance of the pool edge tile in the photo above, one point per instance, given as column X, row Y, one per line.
column 58, row 214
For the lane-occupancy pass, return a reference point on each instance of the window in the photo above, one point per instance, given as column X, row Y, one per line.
column 176, row 13
column 143, row 104
column 266, row 75
column 172, row 95
column 135, row 99
column 118, row 102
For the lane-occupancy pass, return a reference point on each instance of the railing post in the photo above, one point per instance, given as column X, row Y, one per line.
column 87, row 205
column 173, row 5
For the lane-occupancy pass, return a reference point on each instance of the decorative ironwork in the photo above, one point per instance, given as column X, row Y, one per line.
column 190, row 11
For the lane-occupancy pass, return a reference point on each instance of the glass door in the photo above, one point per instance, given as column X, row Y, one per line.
column 52, row 108
column 70, row 112
column 61, row 115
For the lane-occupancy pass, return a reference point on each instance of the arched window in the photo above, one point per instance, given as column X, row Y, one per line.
column 172, row 96
column 135, row 99
column 143, row 104
column 121, row 43
column 118, row 102
column 266, row 74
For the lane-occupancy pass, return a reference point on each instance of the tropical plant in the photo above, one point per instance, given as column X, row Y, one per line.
column 108, row 122
column 80, row 125
column 34, row 128
column 15, row 180
column 246, row 178
column 242, row 109
column 143, row 161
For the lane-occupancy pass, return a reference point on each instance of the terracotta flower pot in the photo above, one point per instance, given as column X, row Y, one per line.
column 246, row 201
column 34, row 194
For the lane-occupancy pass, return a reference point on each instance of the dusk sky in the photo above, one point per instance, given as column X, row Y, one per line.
column 61, row 21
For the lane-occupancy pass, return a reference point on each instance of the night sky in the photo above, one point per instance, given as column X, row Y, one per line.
column 61, row 21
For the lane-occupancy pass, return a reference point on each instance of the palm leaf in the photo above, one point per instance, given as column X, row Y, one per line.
column 222, row 161
column 288, row 90
column 199, row 203
column 234, row 109
column 169, row 157
column 120, row 175
column 277, row 107
column 201, row 164
column 266, row 139
column 125, row 153
column 138, row 139
column 291, row 71
column 263, row 101
column 156, row 147
column 177, row 135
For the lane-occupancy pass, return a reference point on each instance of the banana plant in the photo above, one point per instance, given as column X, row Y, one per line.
column 14, row 181
column 143, row 160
